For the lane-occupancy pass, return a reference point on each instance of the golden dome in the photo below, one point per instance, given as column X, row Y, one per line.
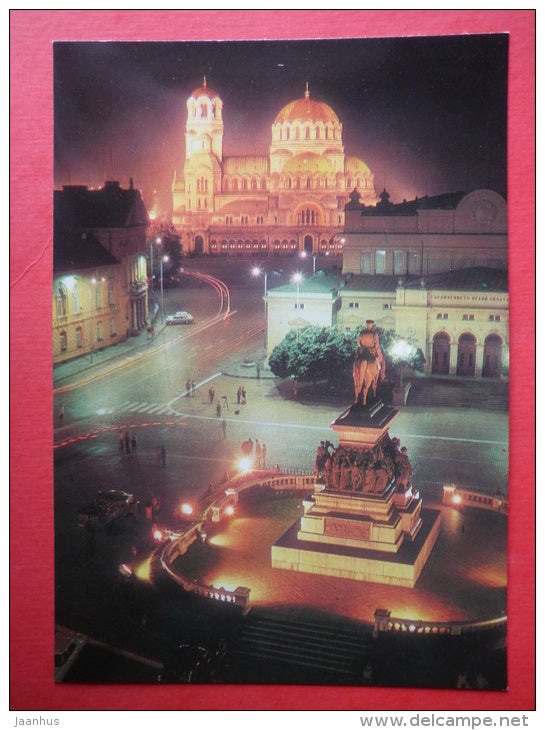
column 204, row 91
column 354, row 165
column 309, row 163
column 305, row 110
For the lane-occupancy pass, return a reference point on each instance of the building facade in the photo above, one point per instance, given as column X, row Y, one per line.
column 427, row 235
column 99, row 268
column 433, row 270
column 289, row 200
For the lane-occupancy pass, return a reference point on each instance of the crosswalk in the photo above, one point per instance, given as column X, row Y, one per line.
column 158, row 409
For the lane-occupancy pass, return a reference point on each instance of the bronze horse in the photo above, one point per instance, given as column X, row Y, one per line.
column 365, row 373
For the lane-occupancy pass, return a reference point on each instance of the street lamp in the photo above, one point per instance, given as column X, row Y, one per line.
column 163, row 259
column 92, row 283
column 297, row 278
column 157, row 241
column 401, row 351
column 256, row 271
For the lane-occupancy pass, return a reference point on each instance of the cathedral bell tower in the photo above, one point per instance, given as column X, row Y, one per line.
column 204, row 127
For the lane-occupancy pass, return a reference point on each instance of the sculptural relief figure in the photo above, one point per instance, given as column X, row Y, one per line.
column 368, row 364
column 345, row 480
column 403, row 469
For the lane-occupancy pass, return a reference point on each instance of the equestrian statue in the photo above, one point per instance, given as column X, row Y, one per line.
column 368, row 364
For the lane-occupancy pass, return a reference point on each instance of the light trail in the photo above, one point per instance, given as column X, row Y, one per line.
column 223, row 313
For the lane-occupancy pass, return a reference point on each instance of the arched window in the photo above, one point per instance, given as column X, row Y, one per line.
column 307, row 132
column 296, row 132
column 204, row 110
column 61, row 301
column 235, row 185
column 76, row 298
column 308, row 182
column 317, row 132
column 254, row 184
column 244, row 184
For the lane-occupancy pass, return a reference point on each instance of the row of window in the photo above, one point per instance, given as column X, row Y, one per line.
column 403, row 261
column 307, row 132
column 470, row 317
column 62, row 299
column 63, row 335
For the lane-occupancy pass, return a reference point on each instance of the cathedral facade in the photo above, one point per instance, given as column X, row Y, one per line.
column 289, row 200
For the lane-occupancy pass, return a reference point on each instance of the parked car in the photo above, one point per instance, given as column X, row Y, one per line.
column 179, row 318
column 107, row 507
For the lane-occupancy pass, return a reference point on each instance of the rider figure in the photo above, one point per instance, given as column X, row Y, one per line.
column 369, row 347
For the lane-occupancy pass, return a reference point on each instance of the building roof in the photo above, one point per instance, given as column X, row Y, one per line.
column 445, row 201
column 307, row 110
column 73, row 251
column 308, row 162
column 371, row 282
column 477, row 278
column 320, row 283
column 77, row 207
column 204, row 91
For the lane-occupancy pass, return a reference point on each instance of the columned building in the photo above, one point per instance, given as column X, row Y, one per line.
column 433, row 270
column 291, row 199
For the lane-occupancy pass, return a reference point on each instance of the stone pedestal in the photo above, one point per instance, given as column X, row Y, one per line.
column 361, row 526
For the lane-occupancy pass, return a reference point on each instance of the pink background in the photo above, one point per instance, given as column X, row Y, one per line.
column 31, row 514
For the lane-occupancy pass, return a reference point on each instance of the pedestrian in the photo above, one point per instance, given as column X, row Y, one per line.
column 239, row 393
column 152, row 333
column 157, row 456
column 193, row 389
column 218, row 409
column 121, row 439
column 188, row 387
column 133, row 445
column 243, row 395
column 263, row 455
column 61, row 414
column 163, row 457
column 257, row 453
column 211, row 394
column 127, row 443
column 224, row 429
column 226, row 402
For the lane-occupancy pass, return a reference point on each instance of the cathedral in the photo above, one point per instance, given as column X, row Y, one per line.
column 287, row 201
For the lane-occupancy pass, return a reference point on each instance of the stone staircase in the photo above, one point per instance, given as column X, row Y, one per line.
column 273, row 648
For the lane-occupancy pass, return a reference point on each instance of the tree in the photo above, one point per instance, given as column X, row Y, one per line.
column 327, row 353
column 313, row 353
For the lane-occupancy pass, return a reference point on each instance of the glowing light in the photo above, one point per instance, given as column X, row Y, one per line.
column 244, row 465
column 456, row 499
column 229, row 510
column 187, row 509
column 256, row 271
column 297, row 278
column 157, row 535
column 143, row 570
column 125, row 570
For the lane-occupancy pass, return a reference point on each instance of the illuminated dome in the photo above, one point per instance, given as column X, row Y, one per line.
column 308, row 163
column 356, row 166
column 306, row 109
column 204, row 91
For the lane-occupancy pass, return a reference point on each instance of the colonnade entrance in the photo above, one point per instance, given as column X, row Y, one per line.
column 466, row 358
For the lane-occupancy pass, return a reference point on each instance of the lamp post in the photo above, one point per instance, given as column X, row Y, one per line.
column 164, row 258
column 401, row 351
column 297, row 278
column 92, row 282
column 157, row 241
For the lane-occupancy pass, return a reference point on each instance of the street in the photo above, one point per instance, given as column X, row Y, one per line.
column 144, row 391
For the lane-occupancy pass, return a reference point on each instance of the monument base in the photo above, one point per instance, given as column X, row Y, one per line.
column 401, row 568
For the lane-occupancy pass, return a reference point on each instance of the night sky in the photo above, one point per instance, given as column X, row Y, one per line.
column 428, row 115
